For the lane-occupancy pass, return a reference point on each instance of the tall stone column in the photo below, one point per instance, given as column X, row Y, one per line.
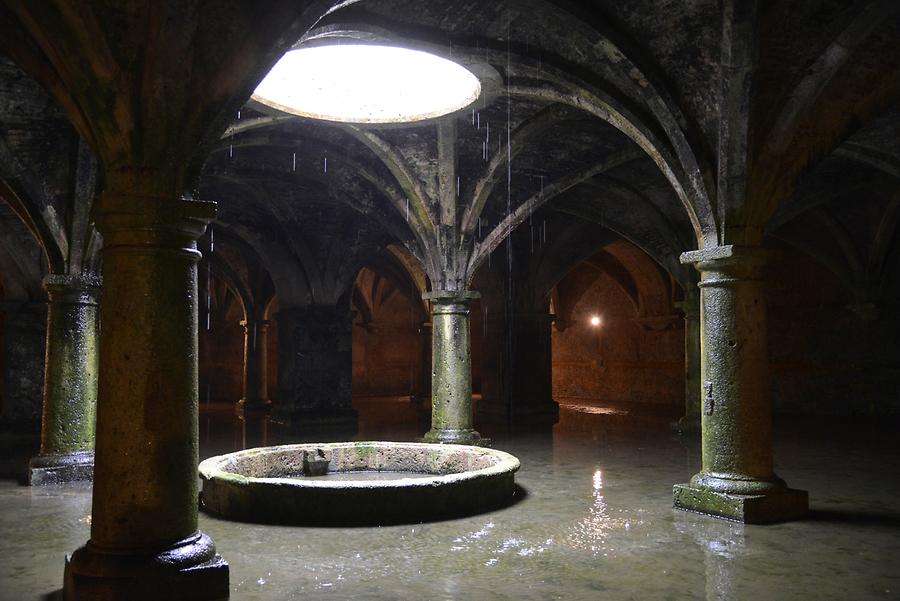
column 690, row 306
column 315, row 369
column 256, row 383
column 424, row 387
column 737, row 479
column 70, row 381
column 517, row 377
column 451, row 369
column 144, row 539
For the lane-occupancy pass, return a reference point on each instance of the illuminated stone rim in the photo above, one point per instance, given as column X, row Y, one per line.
column 367, row 84
column 252, row 485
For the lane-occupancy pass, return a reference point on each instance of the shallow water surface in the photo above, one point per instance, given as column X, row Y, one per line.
column 596, row 523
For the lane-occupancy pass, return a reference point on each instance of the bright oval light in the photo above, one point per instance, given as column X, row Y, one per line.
column 357, row 83
column 595, row 321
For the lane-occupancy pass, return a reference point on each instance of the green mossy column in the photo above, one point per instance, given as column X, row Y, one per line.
column 737, row 479
column 144, row 539
column 451, row 369
column 690, row 422
column 70, row 381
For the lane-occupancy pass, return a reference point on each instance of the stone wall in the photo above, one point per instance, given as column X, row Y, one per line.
column 828, row 353
column 24, row 334
column 620, row 360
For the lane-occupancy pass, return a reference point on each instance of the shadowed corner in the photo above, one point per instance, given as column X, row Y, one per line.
column 56, row 595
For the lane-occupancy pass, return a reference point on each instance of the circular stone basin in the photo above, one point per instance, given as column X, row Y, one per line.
column 357, row 483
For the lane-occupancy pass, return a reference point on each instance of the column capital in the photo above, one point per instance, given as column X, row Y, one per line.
column 690, row 306
column 73, row 288
column 137, row 220
column 728, row 263
column 448, row 297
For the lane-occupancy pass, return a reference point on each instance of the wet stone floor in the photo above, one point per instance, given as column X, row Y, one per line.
column 594, row 522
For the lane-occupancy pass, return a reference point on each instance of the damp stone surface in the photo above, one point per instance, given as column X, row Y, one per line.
column 371, row 483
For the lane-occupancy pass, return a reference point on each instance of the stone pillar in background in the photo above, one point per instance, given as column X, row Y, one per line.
column 315, row 369
column 70, row 381
column 690, row 306
column 424, row 392
column 517, row 374
column 24, row 339
column 256, row 382
column 737, row 478
column 451, row 369
column 144, row 537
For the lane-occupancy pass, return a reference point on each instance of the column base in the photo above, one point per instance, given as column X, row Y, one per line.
column 466, row 437
column 190, row 570
column 77, row 466
column 778, row 505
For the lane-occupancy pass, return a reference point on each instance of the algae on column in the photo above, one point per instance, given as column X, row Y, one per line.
column 737, row 478
column 451, row 372
column 70, row 381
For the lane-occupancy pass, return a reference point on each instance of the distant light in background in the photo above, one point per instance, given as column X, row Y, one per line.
column 596, row 321
column 365, row 83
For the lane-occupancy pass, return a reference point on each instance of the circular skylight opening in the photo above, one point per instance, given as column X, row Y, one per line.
column 359, row 83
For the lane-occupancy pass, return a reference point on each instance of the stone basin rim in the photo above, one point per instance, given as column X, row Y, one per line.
column 215, row 467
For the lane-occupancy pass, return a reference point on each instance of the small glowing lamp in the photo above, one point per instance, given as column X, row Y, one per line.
column 596, row 321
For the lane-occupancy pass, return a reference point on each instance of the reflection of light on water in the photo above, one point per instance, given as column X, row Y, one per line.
column 462, row 541
column 596, row 410
column 590, row 533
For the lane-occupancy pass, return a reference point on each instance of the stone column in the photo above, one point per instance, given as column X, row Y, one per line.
column 256, row 383
column 520, row 387
column 70, row 381
column 315, row 368
column 690, row 306
column 737, row 480
column 424, row 392
column 144, row 539
column 451, row 369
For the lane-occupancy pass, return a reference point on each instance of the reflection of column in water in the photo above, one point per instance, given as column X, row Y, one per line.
column 722, row 544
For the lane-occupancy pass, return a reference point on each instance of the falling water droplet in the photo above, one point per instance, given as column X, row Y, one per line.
column 295, row 162
column 326, row 164
column 230, row 150
column 407, row 210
